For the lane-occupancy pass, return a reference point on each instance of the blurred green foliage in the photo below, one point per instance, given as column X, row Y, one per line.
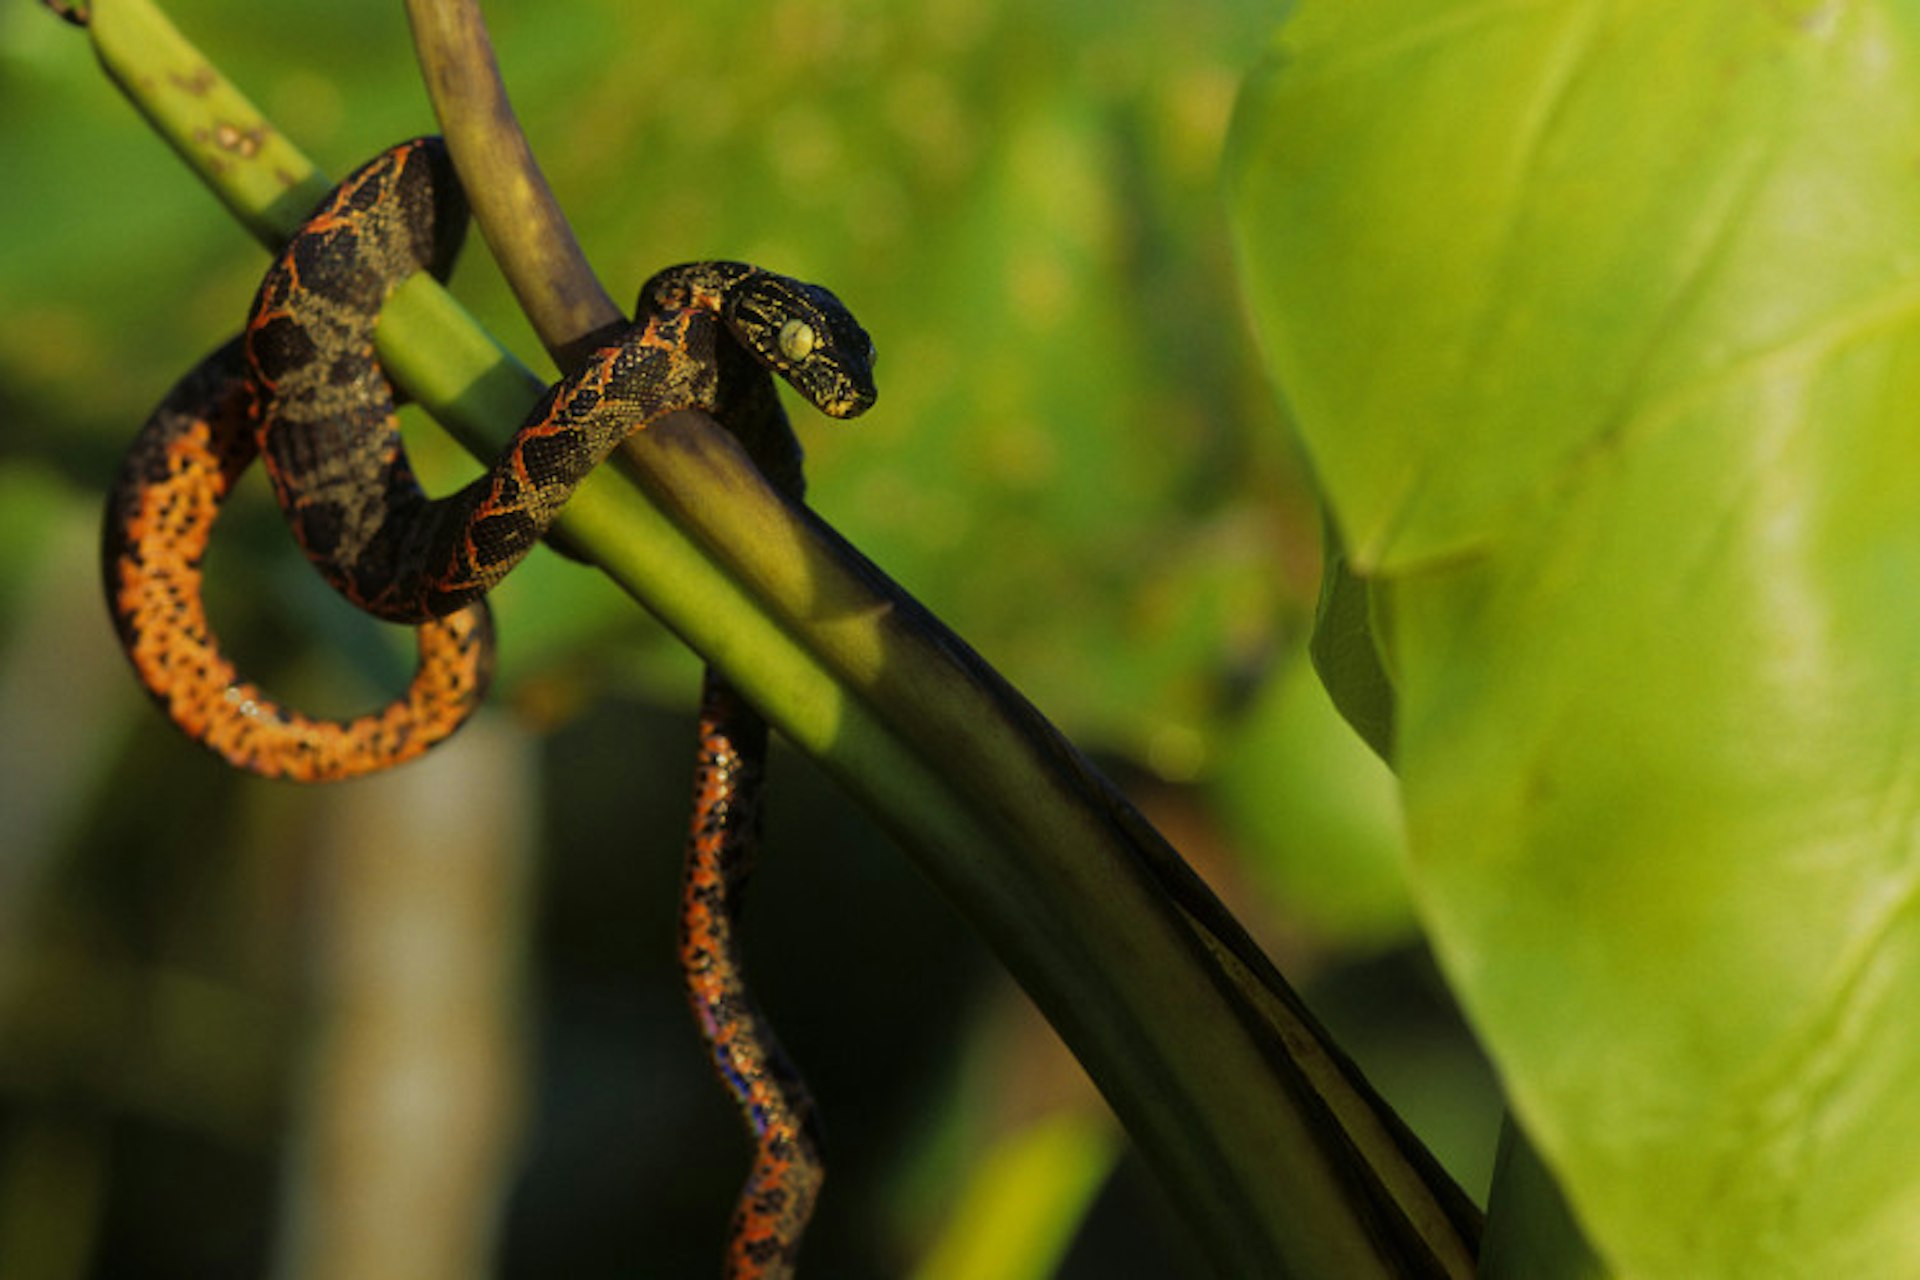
column 1075, row 461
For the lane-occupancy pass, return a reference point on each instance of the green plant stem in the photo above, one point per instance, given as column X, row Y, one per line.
column 1278, row 1153
column 530, row 237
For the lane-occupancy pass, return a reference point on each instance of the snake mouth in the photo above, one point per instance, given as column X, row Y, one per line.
column 842, row 385
column 851, row 404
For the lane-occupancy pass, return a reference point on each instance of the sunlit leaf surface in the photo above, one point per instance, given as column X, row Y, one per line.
column 1601, row 325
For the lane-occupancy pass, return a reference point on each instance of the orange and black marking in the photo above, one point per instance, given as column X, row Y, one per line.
column 302, row 390
column 160, row 519
column 326, row 422
column 787, row 1171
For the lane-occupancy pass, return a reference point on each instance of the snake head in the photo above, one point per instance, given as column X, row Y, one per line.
column 798, row 330
column 804, row 334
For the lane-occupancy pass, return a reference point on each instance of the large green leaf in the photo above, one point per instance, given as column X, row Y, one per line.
column 1601, row 325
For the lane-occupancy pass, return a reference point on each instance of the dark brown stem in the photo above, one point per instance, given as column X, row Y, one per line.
column 513, row 204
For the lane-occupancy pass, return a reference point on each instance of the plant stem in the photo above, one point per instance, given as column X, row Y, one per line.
column 530, row 237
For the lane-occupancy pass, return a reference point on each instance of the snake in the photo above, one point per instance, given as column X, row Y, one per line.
column 302, row 391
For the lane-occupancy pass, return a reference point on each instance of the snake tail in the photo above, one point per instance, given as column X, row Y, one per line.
column 788, row 1167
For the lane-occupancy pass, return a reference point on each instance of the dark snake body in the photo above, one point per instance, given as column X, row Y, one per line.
column 303, row 389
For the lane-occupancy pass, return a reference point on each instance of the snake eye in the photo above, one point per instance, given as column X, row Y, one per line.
column 797, row 340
